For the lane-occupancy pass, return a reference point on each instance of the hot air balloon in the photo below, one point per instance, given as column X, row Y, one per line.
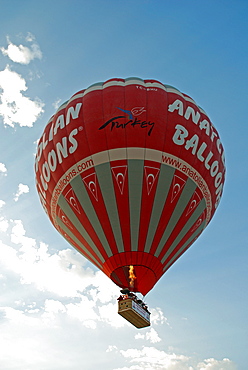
column 130, row 172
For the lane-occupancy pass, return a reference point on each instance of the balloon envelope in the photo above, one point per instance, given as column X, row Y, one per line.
column 130, row 172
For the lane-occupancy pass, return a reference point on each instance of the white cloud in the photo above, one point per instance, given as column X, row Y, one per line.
column 108, row 314
column 3, row 168
column 30, row 37
column 112, row 348
column 62, row 273
column 212, row 364
column 20, row 53
column 151, row 336
column 151, row 358
column 19, row 317
column 59, row 273
column 84, row 312
column 4, row 224
column 157, row 316
column 23, row 340
column 51, row 310
column 22, row 189
column 57, row 104
column 2, row 202
column 14, row 106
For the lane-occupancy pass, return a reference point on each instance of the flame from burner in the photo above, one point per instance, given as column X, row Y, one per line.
column 132, row 276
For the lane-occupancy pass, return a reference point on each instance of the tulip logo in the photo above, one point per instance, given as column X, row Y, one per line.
column 133, row 112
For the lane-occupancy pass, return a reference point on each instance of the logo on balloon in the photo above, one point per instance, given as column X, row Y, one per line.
column 133, row 112
column 118, row 122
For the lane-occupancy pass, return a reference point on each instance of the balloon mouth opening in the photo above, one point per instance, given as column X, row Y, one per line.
column 134, row 277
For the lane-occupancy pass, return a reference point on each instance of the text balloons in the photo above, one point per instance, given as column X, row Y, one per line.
column 130, row 172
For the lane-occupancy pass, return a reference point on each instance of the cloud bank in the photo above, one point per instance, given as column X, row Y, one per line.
column 151, row 358
column 57, row 300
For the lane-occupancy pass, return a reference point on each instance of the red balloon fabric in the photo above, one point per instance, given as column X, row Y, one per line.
column 130, row 172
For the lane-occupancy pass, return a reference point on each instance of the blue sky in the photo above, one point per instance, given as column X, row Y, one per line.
column 56, row 310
